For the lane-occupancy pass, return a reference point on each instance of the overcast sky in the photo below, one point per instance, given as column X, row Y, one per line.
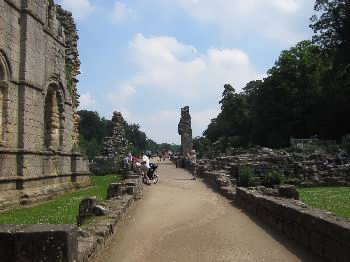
column 149, row 58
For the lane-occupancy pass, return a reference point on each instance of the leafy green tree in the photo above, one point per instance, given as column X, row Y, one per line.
column 232, row 124
column 332, row 32
column 136, row 137
column 286, row 103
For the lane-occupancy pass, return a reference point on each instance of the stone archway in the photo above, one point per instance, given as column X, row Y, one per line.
column 54, row 118
column 3, row 97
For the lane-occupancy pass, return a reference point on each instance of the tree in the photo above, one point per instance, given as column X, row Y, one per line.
column 136, row 137
column 332, row 33
column 231, row 125
column 287, row 103
column 332, row 26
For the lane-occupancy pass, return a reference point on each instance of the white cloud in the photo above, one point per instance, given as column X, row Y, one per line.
column 87, row 101
column 179, row 69
column 201, row 119
column 121, row 12
column 122, row 94
column 176, row 71
column 275, row 19
column 80, row 8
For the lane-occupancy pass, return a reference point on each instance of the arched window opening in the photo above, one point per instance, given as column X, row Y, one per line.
column 54, row 119
column 2, row 102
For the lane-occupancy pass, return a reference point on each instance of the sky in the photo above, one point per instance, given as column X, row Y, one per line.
column 149, row 58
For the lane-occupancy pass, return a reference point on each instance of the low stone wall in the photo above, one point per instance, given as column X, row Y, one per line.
column 68, row 243
column 321, row 232
column 219, row 180
column 38, row 243
column 324, row 234
column 20, row 191
column 93, row 238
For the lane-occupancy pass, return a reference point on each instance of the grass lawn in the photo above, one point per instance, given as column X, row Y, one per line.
column 61, row 210
column 334, row 199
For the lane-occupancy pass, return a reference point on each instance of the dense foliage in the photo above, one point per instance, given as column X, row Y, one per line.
column 93, row 129
column 305, row 94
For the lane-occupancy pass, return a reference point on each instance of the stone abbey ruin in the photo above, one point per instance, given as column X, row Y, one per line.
column 39, row 63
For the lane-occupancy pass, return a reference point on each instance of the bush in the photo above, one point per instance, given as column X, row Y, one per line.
column 273, row 178
column 246, row 177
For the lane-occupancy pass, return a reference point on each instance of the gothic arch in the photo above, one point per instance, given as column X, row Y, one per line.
column 5, row 70
column 54, row 117
column 4, row 80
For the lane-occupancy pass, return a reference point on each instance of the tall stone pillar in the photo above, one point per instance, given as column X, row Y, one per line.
column 185, row 131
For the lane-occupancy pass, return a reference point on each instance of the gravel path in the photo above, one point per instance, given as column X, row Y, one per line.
column 182, row 220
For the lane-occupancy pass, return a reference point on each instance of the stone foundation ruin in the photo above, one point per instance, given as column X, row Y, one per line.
column 299, row 168
column 39, row 137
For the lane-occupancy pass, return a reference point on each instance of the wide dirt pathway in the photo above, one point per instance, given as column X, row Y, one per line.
column 182, row 220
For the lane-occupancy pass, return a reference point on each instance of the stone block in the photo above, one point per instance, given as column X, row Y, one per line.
column 317, row 243
column 86, row 208
column 288, row 191
column 325, row 235
column 115, row 190
column 38, row 243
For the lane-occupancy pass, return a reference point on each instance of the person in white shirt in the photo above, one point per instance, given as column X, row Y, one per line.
column 145, row 166
column 145, row 159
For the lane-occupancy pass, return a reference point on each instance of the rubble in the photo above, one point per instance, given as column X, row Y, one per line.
column 298, row 168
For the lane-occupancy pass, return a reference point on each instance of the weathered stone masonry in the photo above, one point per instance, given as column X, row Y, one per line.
column 38, row 99
column 185, row 130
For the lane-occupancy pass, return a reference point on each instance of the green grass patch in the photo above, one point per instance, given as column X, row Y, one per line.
column 61, row 210
column 333, row 199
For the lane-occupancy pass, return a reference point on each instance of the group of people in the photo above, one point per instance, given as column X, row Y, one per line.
column 142, row 163
column 165, row 155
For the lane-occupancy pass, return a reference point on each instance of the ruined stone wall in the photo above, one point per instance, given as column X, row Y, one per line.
column 324, row 234
column 117, row 144
column 38, row 100
column 299, row 168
